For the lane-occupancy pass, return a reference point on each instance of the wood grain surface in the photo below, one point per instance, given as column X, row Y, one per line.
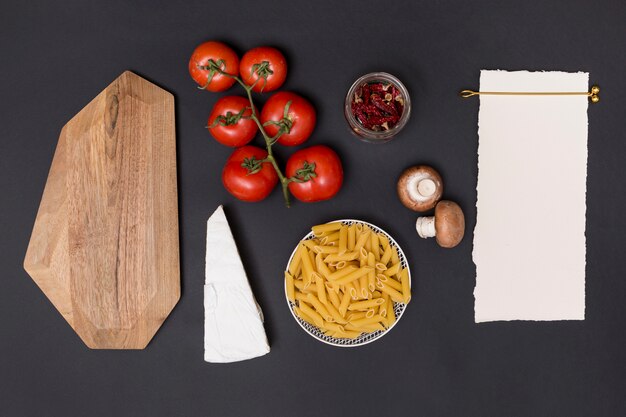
column 104, row 248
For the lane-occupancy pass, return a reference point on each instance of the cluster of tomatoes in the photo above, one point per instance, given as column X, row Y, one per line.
column 251, row 173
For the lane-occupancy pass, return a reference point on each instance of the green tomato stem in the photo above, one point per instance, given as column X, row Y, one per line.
column 269, row 141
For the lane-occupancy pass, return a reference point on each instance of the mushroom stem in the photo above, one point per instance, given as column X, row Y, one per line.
column 421, row 189
column 425, row 227
column 426, row 187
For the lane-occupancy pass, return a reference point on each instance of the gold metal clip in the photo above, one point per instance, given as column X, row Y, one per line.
column 593, row 94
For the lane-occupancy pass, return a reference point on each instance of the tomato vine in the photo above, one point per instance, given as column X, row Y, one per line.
column 284, row 126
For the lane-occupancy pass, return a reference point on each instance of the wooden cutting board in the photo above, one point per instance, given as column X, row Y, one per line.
column 104, row 248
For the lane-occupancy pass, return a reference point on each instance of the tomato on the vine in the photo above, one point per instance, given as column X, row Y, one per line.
column 205, row 61
column 317, row 171
column 246, row 177
column 291, row 115
column 230, row 123
column 264, row 65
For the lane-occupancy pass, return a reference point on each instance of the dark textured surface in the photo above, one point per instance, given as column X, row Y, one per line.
column 436, row 362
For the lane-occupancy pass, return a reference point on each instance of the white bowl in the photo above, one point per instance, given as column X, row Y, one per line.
column 366, row 337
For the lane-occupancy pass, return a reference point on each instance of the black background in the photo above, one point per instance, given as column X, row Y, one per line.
column 56, row 56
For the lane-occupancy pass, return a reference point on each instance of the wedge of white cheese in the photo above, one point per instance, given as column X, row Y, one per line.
column 233, row 321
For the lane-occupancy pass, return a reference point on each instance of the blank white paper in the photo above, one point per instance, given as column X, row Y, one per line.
column 529, row 240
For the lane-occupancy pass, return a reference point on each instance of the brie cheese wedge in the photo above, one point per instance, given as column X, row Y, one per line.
column 233, row 321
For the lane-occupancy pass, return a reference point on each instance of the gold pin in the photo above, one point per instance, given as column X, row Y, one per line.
column 593, row 94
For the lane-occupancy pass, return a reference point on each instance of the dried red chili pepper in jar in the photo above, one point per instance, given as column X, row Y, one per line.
column 377, row 107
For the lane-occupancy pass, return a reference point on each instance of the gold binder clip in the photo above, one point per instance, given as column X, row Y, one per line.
column 593, row 94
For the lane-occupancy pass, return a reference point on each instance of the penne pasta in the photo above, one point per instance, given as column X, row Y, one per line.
column 352, row 291
column 368, row 320
column 353, row 263
column 333, row 297
column 337, row 257
column 394, row 269
column 319, row 307
column 325, row 228
column 363, row 257
column 302, row 286
column 382, row 309
column 340, row 273
column 314, row 315
column 351, row 237
column 394, row 256
column 298, row 272
column 312, row 258
column 375, row 245
column 300, row 296
column 406, row 285
column 368, row 328
column 343, row 307
column 386, row 256
column 321, row 266
column 321, row 288
column 346, row 279
column 357, row 287
column 334, row 312
column 394, row 284
column 384, row 242
column 340, row 264
column 360, row 242
column 337, row 328
column 353, row 275
column 331, row 238
column 363, row 284
column 365, row 305
column 343, row 239
column 368, row 243
column 294, row 265
column 307, row 265
column 304, row 316
column 371, row 276
column 328, row 249
column 393, row 293
column 356, row 315
column 291, row 289
column 310, row 243
column 391, row 314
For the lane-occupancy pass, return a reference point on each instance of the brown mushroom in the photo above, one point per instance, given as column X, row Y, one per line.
column 447, row 225
column 420, row 187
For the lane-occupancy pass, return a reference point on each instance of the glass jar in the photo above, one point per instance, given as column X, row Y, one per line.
column 369, row 135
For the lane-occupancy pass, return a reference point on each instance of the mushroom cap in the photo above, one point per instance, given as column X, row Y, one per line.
column 420, row 188
column 449, row 224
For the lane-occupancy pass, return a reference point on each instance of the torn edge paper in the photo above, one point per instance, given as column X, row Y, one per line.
column 529, row 240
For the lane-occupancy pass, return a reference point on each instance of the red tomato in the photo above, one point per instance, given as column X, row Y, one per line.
column 245, row 177
column 320, row 169
column 297, row 123
column 267, row 63
column 226, row 123
column 222, row 55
